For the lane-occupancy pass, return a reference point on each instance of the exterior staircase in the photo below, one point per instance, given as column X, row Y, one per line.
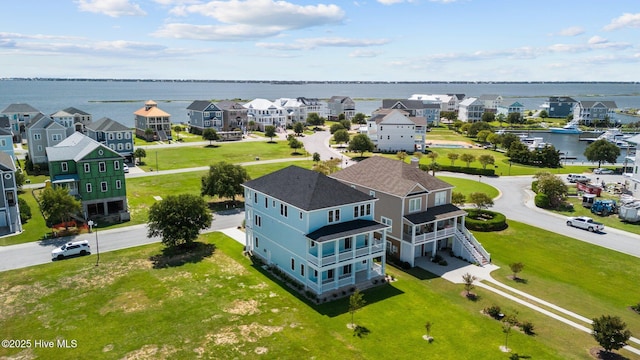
column 471, row 247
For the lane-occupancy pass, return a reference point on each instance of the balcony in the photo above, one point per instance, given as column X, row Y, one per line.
column 376, row 249
column 421, row 238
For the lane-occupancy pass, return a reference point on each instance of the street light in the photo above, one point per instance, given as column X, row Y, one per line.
column 91, row 225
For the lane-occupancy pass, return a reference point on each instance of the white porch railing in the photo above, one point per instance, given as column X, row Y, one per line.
column 377, row 247
column 433, row 235
column 473, row 247
column 476, row 244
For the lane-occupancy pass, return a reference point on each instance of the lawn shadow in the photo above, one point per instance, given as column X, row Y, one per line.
column 361, row 331
column 173, row 257
column 518, row 356
column 212, row 146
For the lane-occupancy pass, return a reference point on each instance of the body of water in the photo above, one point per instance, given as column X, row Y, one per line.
column 118, row 100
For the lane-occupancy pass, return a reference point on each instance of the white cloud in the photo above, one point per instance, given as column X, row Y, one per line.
column 113, row 8
column 597, row 40
column 312, row 43
column 364, row 53
column 571, row 31
column 626, row 20
column 238, row 32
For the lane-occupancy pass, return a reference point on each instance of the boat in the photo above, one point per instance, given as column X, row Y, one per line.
column 532, row 142
column 571, row 128
column 616, row 136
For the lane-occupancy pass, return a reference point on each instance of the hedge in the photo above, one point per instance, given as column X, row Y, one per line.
column 496, row 223
column 461, row 169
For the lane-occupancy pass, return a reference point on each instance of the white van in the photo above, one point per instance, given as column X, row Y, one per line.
column 578, row 178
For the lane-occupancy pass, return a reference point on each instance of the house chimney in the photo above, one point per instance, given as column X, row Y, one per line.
column 415, row 162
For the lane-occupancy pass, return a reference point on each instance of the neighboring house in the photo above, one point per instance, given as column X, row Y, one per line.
column 204, row 115
column 491, row 102
column 295, row 110
column 393, row 130
column 632, row 168
column 9, row 212
column 72, row 119
column 314, row 105
column 318, row 231
column 112, row 134
column 447, row 102
column 416, row 108
column 93, row 173
column 341, row 105
column 41, row 133
column 559, row 106
column 471, row 110
column 507, row 109
column 157, row 121
column 20, row 115
column 234, row 115
column 6, row 143
column 265, row 113
column 593, row 111
column 417, row 207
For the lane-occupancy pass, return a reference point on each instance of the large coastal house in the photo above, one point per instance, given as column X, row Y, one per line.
column 491, row 102
column 559, row 106
column 20, row 116
column 341, row 105
column 266, row 113
column 471, row 110
column 510, row 108
column 447, row 102
column 6, row 136
column 588, row 112
column 112, row 134
column 9, row 211
column 393, row 130
column 93, row 173
column 204, row 115
column 152, row 123
column 320, row 232
column 417, row 207
column 43, row 132
column 72, row 119
column 416, row 108
column 234, row 115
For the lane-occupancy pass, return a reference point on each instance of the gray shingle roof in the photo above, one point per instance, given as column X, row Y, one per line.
column 106, row 124
column 199, row 105
column 73, row 111
column 345, row 229
column 20, row 108
column 6, row 162
column 306, row 189
column 75, row 148
column 389, row 176
column 435, row 213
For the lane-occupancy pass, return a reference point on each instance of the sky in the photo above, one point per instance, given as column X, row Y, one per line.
column 363, row 40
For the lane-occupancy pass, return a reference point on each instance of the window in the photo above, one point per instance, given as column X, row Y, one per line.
column 120, row 146
column 415, row 204
column 64, row 167
column 39, row 147
column 118, row 184
column 301, row 269
column 347, row 243
column 11, row 197
column 441, row 198
column 355, row 212
column 330, row 274
column 293, row 264
column 258, row 220
column 366, row 239
column 368, row 209
column 266, row 202
column 256, row 242
column 3, row 142
column 89, row 187
column 103, row 186
column 102, row 166
column 255, row 198
column 110, row 136
column 313, row 244
column 283, row 210
column 116, row 165
column 87, row 167
column 346, row 270
column 300, row 215
column 37, row 137
column 372, row 193
column 334, row 215
column 119, row 136
column 386, row 221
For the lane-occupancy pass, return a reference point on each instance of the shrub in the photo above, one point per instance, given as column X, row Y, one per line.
column 462, row 169
column 443, row 263
column 526, row 327
column 534, row 186
column 485, row 220
column 494, row 312
column 636, row 308
column 437, row 258
column 406, row 265
column 542, row 201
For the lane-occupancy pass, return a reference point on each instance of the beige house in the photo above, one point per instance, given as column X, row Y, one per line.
column 156, row 120
column 418, row 209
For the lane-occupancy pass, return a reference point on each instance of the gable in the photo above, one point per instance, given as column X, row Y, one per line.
column 396, row 117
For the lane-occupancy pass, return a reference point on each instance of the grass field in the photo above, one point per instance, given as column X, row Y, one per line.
column 220, row 306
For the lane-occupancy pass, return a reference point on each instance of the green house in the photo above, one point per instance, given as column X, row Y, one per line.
column 93, row 173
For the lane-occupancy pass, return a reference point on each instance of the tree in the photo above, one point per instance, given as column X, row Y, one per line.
column 316, row 157
column 25, row 210
column 543, row 114
column 252, row 125
column 493, row 139
column 427, row 326
column 361, row 143
column 356, row 302
column 486, row 159
column 359, row 118
column 515, row 118
column 458, row 198
column 140, row 154
column 58, row 205
column 468, row 158
column 483, row 135
column 270, row 132
column 401, row 155
column 148, row 133
column 602, row 150
column 453, row 157
column 610, row 332
column 500, row 118
column 516, row 268
column 295, row 144
column 224, row 180
column 480, row 200
column 178, row 219
column 210, row 134
column 20, row 179
column 335, row 127
column 508, row 323
column 341, row 136
column 507, row 139
column 488, row 116
column 552, row 186
column 476, row 127
column 314, row 119
column 328, row 166
column 346, row 124
column 468, row 280
column 178, row 129
column 433, row 156
column 298, row 128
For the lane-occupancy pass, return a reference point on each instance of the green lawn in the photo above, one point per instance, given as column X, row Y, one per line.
column 470, row 186
column 221, row 307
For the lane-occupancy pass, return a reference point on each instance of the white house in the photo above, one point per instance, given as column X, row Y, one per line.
column 264, row 113
column 393, row 130
column 471, row 110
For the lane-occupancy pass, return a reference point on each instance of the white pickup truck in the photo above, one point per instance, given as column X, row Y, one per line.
column 585, row 223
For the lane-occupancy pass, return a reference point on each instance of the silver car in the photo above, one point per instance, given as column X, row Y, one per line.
column 71, row 249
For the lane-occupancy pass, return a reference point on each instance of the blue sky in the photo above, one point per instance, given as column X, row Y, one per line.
column 364, row 40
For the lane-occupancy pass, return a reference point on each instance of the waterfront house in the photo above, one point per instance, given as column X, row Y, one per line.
column 393, row 130
column 559, row 106
column 152, row 123
column 204, row 115
column 491, row 102
column 318, row 231
column 6, row 136
column 93, row 173
column 265, row 113
column 72, row 119
column 417, row 207
column 9, row 211
column 416, row 108
column 632, row 167
column 112, row 134
column 514, row 107
column 341, row 105
column 313, row 105
column 41, row 133
column 589, row 112
column 234, row 115
column 471, row 110
column 20, row 116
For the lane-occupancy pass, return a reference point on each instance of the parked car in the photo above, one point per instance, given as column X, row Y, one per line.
column 125, row 168
column 601, row 171
column 585, row 223
column 578, row 178
column 71, row 249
